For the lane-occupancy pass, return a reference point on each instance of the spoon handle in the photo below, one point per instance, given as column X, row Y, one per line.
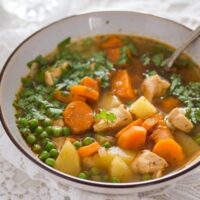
column 194, row 35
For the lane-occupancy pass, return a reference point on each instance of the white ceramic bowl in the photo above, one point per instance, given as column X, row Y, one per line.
column 77, row 27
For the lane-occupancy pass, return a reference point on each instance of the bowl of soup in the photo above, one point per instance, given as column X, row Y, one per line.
column 89, row 101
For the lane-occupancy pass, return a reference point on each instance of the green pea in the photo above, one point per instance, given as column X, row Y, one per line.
column 25, row 131
column 47, row 122
column 49, row 146
column 53, row 153
column 44, row 155
column 83, row 175
column 44, row 141
column 31, row 139
column 36, row 148
column 44, row 134
column 22, row 122
column 56, row 131
column 39, row 130
column 50, row 162
column 146, row 177
column 49, row 130
column 115, row 180
column 107, row 145
column 95, row 171
column 88, row 140
column 197, row 140
column 33, row 123
column 77, row 144
column 66, row 131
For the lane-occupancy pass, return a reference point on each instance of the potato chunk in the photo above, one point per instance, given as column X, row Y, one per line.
column 142, row 108
column 68, row 160
column 119, row 169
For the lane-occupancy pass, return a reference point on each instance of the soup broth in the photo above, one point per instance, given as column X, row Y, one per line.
column 106, row 109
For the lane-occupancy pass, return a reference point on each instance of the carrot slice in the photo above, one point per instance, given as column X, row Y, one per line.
column 78, row 116
column 90, row 82
column 67, row 98
column 170, row 150
column 121, row 85
column 84, row 91
column 133, row 138
column 169, row 103
column 137, row 122
column 161, row 134
column 89, row 149
column 149, row 123
column 112, row 42
column 113, row 55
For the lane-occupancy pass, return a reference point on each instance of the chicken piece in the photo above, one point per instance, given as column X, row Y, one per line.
column 149, row 162
column 53, row 73
column 154, row 86
column 33, row 70
column 178, row 120
column 48, row 78
column 123, row 117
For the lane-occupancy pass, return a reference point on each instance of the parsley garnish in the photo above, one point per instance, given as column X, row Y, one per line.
column 97, row 66
column 188, row 94
column 108, row 116
column 146, row 60
column 149, row 73
column 36, row 101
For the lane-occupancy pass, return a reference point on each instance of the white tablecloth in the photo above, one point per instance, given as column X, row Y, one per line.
column 20, row 18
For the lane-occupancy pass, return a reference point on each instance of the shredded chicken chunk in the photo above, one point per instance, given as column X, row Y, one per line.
column 178, row 120
column 154, row 86
column 123, row 117
column 149, row 162
column 52, row 74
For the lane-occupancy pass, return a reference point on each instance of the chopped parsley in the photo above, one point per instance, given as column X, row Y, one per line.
column 97, row 66
column 146, row 60
column 188, row 94
column 124, row 53
column 108, row 116
column 149, row 73
column 38, row 101
column 158, row 59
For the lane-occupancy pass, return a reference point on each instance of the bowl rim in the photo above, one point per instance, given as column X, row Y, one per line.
column 72, row 178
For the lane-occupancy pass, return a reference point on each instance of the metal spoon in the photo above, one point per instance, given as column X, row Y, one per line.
column 194, row 35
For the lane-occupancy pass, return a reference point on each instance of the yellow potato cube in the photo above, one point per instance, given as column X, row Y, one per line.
column 119, row 169
column 142, row 108
column 68, row 160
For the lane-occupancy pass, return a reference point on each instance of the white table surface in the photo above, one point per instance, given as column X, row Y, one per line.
column 16, row 24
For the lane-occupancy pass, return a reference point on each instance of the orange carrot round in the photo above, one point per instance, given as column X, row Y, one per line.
column 169, row 103
column 112, row 42
column 170, row 150
column 84, row 91
column 67, row 98
column 137, row 122
column 113, row 55
column 78, row 116
column 121, row 85
column 89, row 149
column 151, row 122
column 90, row 82
column 132, row 138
